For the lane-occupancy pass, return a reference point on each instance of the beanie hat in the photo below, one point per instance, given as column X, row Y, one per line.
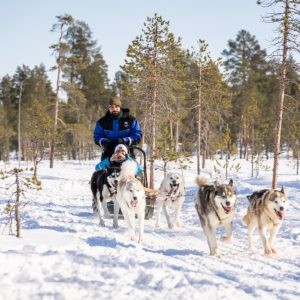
column 115, row 101
column 121, row 147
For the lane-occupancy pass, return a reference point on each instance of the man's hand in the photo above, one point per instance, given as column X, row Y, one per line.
column 119, row 141
column 107, row 143
column 126, row 141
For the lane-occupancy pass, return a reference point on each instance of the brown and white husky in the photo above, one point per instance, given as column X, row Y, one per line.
column 266, row 211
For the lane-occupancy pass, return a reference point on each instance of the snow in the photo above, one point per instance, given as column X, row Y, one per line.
column 65, row 254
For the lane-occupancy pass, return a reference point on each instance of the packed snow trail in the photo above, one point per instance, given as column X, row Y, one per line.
column 65, row 254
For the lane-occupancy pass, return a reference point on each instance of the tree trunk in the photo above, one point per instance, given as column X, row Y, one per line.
column 205, row 145
column 171, row 136
column 281, row 96
column 177, row 137
column 199, row 108
column 53, row 138
column 298, row 154
column 17, row 206
column 241, row 138
column 252, row 153
column 19, row 125
column 153, row 127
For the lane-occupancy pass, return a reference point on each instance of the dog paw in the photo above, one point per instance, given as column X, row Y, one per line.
column 172, row 226
column 133, row 238
column 179, row 224
column 217, row 255
column 274, row 251
column 102, row 224
column 268, row 251
column 157, row 225
column 226, row 239
column 115, row 226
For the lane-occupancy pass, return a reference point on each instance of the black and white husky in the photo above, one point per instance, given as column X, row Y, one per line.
column 104, row 188
column 215, row 207
column 171, row 194
column 266, row 211
column 131, row 198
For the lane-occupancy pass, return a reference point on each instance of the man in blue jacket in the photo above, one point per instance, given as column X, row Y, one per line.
column 116, row 127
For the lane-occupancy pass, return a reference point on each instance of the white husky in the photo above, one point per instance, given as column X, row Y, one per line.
column 131, row 198
column 170, row 193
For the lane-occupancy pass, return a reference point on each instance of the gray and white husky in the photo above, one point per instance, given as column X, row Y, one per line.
column 215, row 206
column 266, row 211
column 131, row 198
column 104, row 188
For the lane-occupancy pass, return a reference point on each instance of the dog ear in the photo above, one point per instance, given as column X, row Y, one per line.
column 282, row 190
column 217, row 184
column 230, row 182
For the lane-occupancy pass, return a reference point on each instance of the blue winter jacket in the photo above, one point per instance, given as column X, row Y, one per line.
column 125, row 126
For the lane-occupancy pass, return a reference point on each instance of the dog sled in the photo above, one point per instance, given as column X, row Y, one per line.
column 150, row 198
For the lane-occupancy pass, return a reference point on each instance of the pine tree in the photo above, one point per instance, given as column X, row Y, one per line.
column 36, row 125
column 246, row 63
column 6, row 132
column 147, row 58
column 201, row 60
column 60, row 49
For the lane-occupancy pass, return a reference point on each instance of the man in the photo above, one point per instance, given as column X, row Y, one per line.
column 119, row 156
column 116, row 127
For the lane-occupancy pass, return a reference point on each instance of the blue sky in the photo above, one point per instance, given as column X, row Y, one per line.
column 26, row 37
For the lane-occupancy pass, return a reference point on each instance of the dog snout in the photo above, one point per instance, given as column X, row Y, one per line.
column 227, row 203
column 135, row 198
column 174, row 182
column 116, row 182
column 281, row 208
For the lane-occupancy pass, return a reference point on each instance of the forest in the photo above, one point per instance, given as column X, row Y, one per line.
column 244, row 103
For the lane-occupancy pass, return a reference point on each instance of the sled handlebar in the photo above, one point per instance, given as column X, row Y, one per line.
column 145, row 183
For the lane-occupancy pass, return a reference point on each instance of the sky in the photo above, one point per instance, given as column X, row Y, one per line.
column 25, row 26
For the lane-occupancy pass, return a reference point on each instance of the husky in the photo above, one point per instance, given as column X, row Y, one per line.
column 170, row 193
column 131, row 198
column 215, row 205
column 266, row 211
column 104, row 188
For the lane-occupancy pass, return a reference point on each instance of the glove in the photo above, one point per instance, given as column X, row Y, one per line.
column 103, row 142
column 125, row 141
column 107, row 143
column 119, row 141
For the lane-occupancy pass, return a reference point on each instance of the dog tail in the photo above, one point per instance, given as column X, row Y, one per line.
column 128, row 170
column 201, row 181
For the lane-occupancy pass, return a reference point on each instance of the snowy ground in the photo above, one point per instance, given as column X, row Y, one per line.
column 64, row 254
